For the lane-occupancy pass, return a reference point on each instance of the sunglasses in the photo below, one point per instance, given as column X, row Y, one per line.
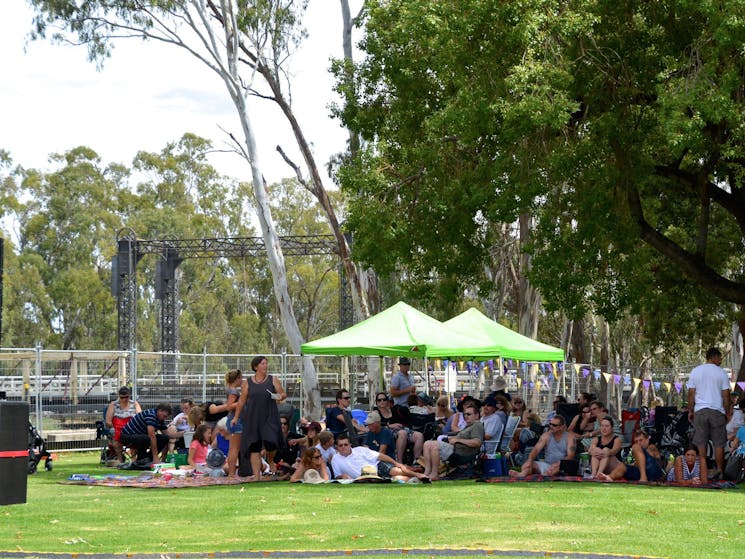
column 381, row 399
column 345, row 398
column 555, row 424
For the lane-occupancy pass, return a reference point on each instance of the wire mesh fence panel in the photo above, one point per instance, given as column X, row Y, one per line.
column 68, row 391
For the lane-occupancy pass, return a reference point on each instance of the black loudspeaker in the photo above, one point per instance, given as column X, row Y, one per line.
column 14, row 455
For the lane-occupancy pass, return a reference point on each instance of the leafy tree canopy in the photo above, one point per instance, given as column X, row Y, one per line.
column 618, row 125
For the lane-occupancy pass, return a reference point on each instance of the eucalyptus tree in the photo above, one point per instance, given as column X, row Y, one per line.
column 63, row 225
column 240, row 42
column 617, row 126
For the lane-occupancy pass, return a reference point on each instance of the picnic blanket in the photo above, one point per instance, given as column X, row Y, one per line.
column 148, row 480
column 720, row 484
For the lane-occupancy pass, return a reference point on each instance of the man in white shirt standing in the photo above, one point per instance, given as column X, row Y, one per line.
column 709, row 406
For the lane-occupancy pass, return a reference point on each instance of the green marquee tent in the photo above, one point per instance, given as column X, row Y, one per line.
column 505, row 343
column 401, row 330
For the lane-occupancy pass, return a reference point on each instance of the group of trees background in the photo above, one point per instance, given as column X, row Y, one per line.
column 573, row 168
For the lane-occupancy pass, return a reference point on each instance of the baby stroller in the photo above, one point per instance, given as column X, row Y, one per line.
column 37, row 449
column 674, row 433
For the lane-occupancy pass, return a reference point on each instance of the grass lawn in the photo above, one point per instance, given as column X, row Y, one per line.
column 552, row 517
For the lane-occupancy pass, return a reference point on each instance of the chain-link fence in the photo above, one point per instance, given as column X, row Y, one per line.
column 69, row 391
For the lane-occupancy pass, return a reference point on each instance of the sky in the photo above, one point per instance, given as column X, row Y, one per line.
column 52, row 99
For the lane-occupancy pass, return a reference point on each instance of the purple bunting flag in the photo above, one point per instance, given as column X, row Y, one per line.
column 646, row 384
column 616, row 379
column 678, row 386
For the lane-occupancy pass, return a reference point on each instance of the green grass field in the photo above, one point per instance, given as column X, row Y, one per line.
column 575, row 518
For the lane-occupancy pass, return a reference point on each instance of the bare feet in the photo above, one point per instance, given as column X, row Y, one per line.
column 603, row 477
column 516, row 474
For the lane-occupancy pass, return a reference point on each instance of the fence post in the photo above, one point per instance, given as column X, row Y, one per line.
column 204, row 374
column 37, row 407
column 133, row 370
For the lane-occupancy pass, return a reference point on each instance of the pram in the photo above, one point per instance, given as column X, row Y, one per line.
column 37, row 449
column 674, row 432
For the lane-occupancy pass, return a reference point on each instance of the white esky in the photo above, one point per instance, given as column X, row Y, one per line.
column 52, row 99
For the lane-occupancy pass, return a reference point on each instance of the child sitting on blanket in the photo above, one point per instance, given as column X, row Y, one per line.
column 200, row 446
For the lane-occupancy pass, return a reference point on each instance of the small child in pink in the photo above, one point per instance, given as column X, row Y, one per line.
column 200, row 446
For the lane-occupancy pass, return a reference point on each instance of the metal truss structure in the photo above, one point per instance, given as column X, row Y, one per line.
column 172, row 252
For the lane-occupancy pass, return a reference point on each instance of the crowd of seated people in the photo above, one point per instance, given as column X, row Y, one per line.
column 392, row 441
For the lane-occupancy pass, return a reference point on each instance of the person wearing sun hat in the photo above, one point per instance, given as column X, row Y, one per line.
column 402, row 385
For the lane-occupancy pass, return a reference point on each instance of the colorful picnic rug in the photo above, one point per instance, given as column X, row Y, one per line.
column 719, row 484
column 148, row 480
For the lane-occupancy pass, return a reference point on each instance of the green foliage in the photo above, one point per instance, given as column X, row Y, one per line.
column 57, row 280
column 617, row 126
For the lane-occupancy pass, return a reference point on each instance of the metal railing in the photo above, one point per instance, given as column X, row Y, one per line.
column 68, row 391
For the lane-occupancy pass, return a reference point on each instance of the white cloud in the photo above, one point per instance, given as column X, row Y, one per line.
column 52, row 99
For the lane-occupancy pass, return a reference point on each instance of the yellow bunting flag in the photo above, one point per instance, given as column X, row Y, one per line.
column 519, row 382
column 606, row 376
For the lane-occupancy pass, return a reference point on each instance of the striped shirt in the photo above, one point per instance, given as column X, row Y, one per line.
column 140, row 422
column 687, row 473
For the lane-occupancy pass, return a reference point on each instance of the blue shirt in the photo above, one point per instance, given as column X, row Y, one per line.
column 384, row 437
column 139, row 423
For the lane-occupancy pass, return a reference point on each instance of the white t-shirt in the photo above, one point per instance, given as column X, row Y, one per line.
column 709, row 380
column 352, row 464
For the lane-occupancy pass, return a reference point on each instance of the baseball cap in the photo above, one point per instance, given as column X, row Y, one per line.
column 372, row 417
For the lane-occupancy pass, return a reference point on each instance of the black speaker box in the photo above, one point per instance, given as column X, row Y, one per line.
column 14, row 456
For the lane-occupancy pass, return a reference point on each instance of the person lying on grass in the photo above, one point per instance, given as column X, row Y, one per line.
column 347, row 463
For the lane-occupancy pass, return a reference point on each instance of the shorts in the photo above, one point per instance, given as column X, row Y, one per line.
column 542, row 466
column 258, row 446
column 446, row 450
column 709, row 425
column 236, row 429
column 384, row 469
column 118, row 424
column 654, row 470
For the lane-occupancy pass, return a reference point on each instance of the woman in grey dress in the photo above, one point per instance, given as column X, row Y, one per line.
column 261, row 428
